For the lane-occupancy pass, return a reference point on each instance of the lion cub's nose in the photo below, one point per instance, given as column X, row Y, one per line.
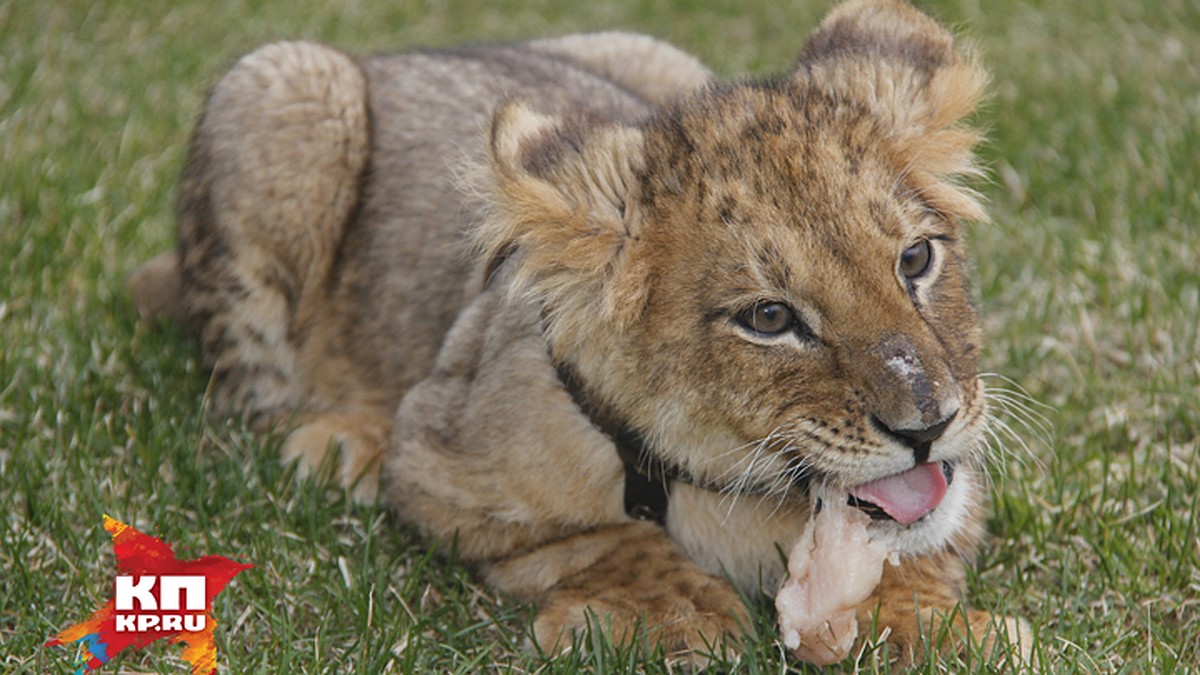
column 920, row 440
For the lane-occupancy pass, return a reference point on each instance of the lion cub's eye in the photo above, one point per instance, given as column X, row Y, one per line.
column 915, row 259
column 768, row 318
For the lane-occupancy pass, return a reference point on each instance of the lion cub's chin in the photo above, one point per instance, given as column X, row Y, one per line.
column 939, row 528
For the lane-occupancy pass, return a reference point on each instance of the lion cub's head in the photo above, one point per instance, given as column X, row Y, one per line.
column 768, row 280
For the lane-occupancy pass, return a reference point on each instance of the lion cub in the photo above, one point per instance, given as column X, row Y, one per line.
column 606, row 322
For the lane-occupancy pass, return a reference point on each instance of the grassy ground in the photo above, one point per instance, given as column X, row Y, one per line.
column 1088, row 279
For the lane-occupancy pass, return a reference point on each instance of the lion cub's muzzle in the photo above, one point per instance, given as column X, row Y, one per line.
column 914, row 396
column 913, row 402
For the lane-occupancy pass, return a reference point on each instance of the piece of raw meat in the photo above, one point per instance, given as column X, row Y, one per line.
column 832, row 569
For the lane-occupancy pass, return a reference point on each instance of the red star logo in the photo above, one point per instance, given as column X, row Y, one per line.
column 155, row 595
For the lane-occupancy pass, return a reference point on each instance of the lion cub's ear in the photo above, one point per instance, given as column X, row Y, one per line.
column 904, row 67
column 560, row 191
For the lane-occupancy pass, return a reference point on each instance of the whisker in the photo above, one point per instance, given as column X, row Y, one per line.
column 1026, row 451
column 757, row 470
column 737, row 486
column 797, row 468
column 1017, row 398
column 992, row 450
column 1015, row 387
column 1013, row 410
column 1033, row 421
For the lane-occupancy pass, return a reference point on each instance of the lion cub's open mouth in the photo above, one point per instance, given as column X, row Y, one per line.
column 904, row 497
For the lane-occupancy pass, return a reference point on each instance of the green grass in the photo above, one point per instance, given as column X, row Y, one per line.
column 1088, row 280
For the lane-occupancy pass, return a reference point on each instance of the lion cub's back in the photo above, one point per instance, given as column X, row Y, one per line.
column 403, row 272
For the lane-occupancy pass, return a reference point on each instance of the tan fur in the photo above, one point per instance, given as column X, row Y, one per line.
column 623, row 211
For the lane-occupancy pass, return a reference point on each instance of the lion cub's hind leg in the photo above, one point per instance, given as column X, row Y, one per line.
column 271, row 183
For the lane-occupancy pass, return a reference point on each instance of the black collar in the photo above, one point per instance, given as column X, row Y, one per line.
column 648, row 477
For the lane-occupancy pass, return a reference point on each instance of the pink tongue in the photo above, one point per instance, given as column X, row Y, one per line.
column 907, row 496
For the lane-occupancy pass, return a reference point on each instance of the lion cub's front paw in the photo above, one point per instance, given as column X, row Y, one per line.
column 691, row 629
column 1000, row 640
column 645, row 593
column 345, row 447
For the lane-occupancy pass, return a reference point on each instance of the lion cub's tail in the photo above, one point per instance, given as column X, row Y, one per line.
column 157, row 288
